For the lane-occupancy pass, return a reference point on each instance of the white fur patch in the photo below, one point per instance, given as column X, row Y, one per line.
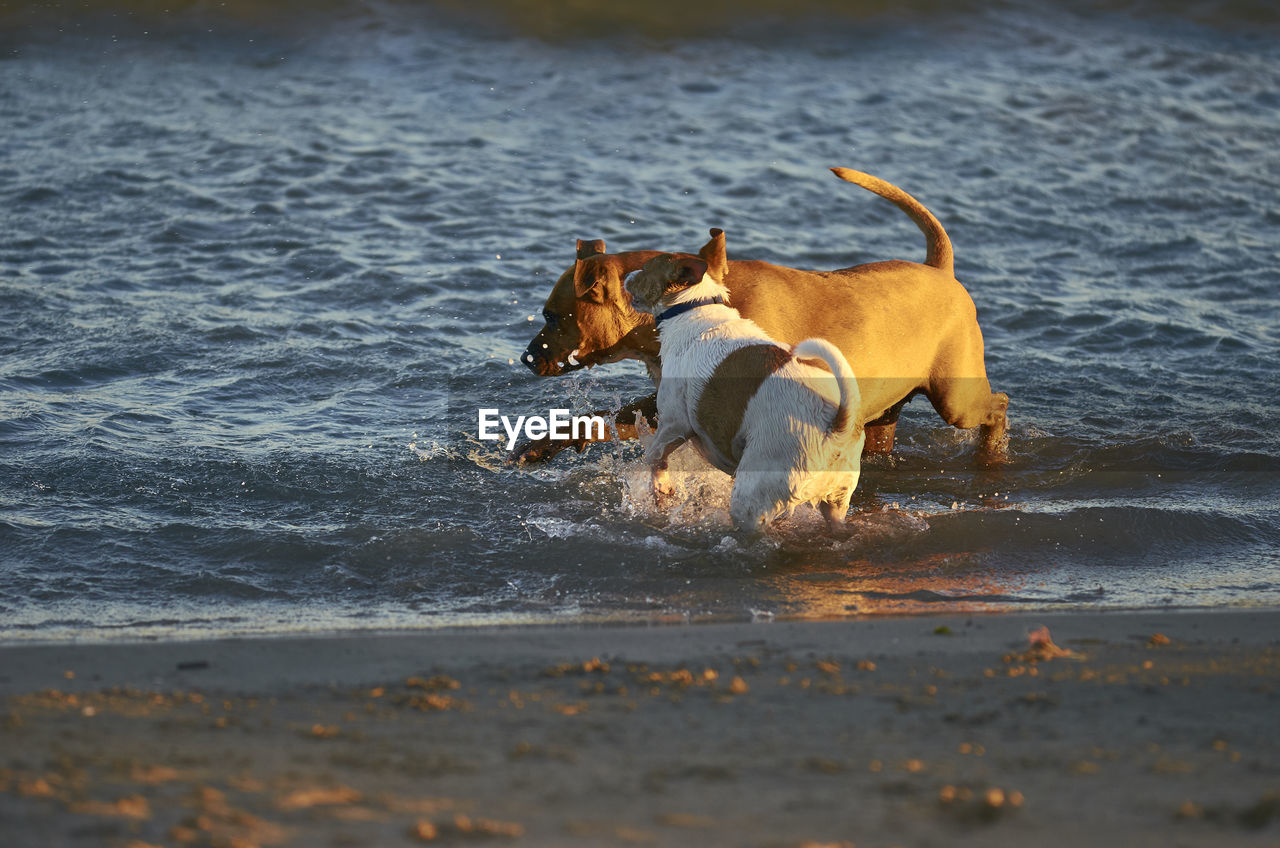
column 789, row 454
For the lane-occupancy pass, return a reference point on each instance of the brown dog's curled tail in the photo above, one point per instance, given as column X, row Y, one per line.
column 850, row 398
column 939, row 255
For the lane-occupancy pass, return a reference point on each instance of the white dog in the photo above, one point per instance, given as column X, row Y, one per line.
column 788, row 431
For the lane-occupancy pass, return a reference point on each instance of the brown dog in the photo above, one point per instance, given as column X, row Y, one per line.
column 905, row 328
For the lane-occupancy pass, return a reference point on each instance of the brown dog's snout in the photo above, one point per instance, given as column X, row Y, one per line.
column 546, row 357
column 538, row 359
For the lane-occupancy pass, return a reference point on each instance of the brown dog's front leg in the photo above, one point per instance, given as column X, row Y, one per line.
column 625, row 419
column 542, row 450
column 880, row 438
column 880, row 432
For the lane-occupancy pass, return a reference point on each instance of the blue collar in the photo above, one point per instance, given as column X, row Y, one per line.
column 682, row 308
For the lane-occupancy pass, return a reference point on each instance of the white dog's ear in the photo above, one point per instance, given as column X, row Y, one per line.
column 714, row 253
column 688, row 271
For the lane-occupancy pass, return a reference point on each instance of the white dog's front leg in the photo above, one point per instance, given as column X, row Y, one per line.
column 664, row 442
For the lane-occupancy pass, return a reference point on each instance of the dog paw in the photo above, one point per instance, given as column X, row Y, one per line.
column 528, row 453
column 539, row 450
column 663, row 491
column 838, row 528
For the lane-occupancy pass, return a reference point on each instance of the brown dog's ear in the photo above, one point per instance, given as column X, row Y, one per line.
column 688, row 272
column 714, row 253
column 590, row 248
column 586, row 285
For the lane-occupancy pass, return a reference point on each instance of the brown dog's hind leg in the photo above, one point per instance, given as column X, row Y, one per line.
column 993, row 440
column 966, row 403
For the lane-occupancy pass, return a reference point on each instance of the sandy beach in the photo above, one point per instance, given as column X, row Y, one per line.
column 1126, row 728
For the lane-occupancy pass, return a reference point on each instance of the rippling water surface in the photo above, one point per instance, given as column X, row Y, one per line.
column 259, row 269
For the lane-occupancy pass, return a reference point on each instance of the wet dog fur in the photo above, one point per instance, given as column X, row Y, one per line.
column 906, row 328
column 785, row 427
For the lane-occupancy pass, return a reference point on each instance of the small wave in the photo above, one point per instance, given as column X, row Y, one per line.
column 36, row 196
column 432, row 451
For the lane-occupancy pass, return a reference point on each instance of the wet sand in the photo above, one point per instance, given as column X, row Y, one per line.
column 1127, row 728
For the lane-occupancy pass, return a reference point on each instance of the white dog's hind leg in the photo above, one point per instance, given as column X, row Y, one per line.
column 839, row 477
column 835, row 507
column 852, row 461
column 758, row 498
column 750, row 519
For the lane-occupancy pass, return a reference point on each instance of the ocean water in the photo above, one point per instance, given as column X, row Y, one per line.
column 261, row 264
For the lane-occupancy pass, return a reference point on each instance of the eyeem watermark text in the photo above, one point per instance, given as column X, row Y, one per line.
column 558, row 425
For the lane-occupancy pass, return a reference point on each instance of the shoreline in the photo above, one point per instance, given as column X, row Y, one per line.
column 912, row 730
column 176, row 634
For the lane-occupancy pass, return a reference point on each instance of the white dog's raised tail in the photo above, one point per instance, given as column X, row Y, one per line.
column 845, row 419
